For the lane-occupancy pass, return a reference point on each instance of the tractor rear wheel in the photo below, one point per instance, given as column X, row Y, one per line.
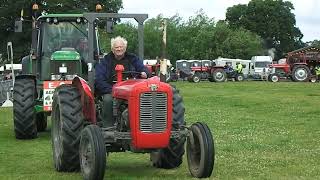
column 171, row 156
column 41, row 120
column 67, row 123
column 92, row 153
column 200, row 151
column 300, row 73
column 24, row 95
column 219, row 75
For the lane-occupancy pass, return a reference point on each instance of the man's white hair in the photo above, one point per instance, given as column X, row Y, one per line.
column 118, row 39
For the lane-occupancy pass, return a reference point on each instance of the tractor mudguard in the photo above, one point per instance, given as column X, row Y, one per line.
column 87, row 99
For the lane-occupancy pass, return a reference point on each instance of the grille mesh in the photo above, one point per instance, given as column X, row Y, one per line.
column 153, row 112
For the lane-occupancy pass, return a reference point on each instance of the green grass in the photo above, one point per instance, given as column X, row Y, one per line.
column 262, row 131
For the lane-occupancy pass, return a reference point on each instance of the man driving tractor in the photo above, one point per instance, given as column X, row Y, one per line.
column 105, row 73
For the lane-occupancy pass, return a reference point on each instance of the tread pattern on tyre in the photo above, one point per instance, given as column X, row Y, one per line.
column 171, row 157
column 93, row 133
column 23, row 109
column 67, row 104
column 209, row 146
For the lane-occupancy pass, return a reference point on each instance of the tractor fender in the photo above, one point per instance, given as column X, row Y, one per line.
column 87, row 99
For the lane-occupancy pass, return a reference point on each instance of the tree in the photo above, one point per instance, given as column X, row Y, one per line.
column 270, row 19
column 11, row 11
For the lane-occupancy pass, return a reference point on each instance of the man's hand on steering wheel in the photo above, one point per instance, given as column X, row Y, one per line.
column 143, row 75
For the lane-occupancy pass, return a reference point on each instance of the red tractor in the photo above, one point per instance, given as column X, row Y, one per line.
column 206, row 69
column 148, row 118
column 299, row 66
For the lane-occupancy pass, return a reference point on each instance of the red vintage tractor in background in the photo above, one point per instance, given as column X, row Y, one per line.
column 299, row 66
column 206, row 69
column 148, row 117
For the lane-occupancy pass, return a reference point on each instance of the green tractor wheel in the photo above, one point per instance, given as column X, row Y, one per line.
column 23, row 109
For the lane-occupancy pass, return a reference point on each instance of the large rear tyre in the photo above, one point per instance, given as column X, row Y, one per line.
column 67, row 123
column 200, row 151
column 219, row 75
column 92, row 153
column 24, row 95
column 171, row 156
column 300, row 73
column 41, row 120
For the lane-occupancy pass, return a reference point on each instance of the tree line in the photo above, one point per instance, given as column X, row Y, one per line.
column 248, row 30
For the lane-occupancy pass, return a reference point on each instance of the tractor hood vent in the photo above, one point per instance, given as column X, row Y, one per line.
column 153, row 112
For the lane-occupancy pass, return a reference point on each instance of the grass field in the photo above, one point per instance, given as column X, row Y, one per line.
column 262, row 131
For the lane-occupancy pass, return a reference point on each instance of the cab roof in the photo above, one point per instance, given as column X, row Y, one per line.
column 60, row 16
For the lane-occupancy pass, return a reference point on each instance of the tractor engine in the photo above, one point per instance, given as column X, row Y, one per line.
column 144, row 108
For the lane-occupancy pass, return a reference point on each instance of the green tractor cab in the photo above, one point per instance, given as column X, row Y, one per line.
column 59, row 53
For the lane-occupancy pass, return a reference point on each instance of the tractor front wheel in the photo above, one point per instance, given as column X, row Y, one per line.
column 171, row 156
column 274, row 77
column 92, row 153
column 239, row 77
column 67, row 124
column 200, row 151
column 196, row 78
column 24, row 95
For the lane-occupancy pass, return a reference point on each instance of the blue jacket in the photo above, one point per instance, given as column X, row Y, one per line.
column 104, row 72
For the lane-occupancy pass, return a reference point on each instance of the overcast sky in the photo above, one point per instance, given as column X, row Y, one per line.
column 306, row 11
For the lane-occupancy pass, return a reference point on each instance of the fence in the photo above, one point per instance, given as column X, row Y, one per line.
column 5, row 87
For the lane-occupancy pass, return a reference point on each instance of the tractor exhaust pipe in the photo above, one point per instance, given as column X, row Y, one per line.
column 119, row 69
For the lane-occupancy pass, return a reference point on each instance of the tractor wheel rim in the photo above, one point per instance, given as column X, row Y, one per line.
column 274, row 78
column 57, row 133
column 86, row 156
column 219, row 75
column 195, row 152
column 301, row 74
column 196, row 79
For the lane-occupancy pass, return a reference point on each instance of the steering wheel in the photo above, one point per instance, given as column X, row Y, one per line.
column 134, row 74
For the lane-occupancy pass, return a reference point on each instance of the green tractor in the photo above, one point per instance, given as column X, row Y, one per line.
column 59, row 53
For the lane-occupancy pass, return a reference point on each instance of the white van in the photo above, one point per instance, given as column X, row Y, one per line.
column 259, row 67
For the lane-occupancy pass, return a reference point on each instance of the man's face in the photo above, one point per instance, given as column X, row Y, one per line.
column 119, row 49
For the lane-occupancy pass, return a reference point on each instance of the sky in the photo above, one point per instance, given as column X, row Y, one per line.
column 306, row 11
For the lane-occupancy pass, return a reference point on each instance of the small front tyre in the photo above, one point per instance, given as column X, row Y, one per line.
column 92, row 153
column 200, row 151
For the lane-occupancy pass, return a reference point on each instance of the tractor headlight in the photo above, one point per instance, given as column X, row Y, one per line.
column 63, row 69
column 70, row 77
column 55, row 77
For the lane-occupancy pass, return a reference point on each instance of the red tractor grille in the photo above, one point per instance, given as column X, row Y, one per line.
column 153, row 112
